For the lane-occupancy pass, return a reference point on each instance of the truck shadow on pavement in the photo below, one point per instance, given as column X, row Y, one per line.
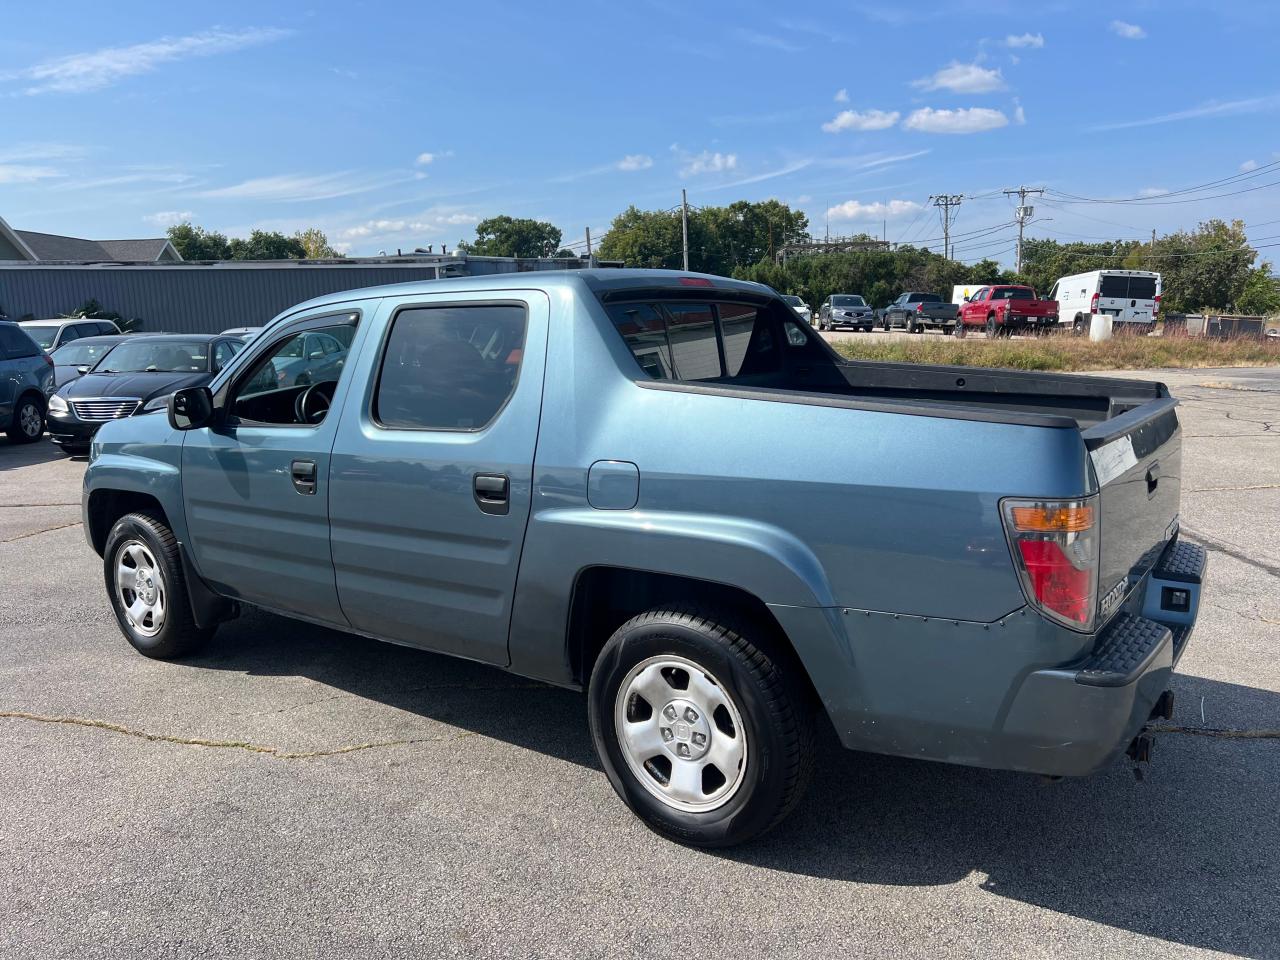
column 1190, row 855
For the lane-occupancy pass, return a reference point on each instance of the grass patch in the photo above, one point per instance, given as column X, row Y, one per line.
column 1066, row 353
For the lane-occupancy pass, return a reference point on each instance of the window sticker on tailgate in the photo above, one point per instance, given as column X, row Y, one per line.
column 1113, row 459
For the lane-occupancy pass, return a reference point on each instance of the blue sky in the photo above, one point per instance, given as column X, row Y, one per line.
column 394, row 125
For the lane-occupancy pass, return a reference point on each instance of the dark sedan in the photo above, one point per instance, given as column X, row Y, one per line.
column 136, row 376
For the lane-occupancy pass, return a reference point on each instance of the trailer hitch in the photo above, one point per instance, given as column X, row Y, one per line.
column 1140, row 749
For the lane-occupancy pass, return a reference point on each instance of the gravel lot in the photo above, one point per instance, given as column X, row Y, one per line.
column 476, row 822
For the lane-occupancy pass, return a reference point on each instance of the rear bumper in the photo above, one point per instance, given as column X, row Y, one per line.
column 972, row 694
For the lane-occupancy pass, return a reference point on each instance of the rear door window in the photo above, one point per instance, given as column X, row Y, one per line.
column 1110, row 285
column 1142, row 288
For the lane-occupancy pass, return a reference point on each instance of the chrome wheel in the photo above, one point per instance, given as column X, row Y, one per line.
column 29, row 420
column 681, row 734
column 140, row 588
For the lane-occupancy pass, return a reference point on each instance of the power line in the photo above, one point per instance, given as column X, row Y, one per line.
column 1143, row 200
column 1024, row 214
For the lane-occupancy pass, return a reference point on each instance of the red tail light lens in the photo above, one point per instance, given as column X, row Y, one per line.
column 695, row 282
column 1156, row 308
column 1093, row 304
column 1055, row 546
column 919, row 308
column 48, row 360
column 1056, row 582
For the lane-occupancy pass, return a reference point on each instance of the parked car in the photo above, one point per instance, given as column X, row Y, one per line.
column 845, row 310
column 26, row 377
column 606, row 480
column 244, row 333
column 916, row 312
column 1130, row 297
column 51, row 334
column 1005, row 309
column 136, row 376
column 802, row 309
column 74, row 359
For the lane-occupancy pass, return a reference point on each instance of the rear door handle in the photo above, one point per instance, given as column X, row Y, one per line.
column 304, row 476
column 491, row 493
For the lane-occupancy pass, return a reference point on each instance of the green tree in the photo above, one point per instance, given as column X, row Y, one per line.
column 197, row 243
column 720, row 238
column 267, row 245
column 316, row 245
column 505, row 236
column 1261, row 293
column 1203, row 269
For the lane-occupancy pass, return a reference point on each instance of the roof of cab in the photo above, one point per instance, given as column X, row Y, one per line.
column 598, row 281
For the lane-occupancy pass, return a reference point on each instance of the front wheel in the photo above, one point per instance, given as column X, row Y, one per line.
column 705, row 735
column 147, row 588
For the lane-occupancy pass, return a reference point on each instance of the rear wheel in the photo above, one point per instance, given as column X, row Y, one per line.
column 1078, row 326
column 28, row 420
column 148, row 589
column 993, row 330
column 703, row 734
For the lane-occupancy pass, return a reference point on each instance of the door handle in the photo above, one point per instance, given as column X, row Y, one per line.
column 491, row 493
column 304, row 476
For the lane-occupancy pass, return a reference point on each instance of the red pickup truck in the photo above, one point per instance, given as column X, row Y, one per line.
column 1000, row 310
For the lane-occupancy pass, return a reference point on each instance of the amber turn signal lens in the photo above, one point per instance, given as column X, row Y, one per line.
column 1052, row 519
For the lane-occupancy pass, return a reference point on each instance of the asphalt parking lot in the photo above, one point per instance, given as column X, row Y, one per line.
column 299, row 792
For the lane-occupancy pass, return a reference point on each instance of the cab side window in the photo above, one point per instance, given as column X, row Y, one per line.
column 449, row 367
column 294, row 381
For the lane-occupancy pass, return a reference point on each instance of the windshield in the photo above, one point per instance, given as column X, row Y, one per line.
column 156, row 356
column 1013, row 293
column 794, row 301
column 848, row 301
column 80, row 354
column 43, row 335
column 924, row 298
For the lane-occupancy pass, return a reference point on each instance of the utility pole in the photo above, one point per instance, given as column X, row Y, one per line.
column 945, row 202
column 684, row 225
column 591, row 261
column 1023, row 214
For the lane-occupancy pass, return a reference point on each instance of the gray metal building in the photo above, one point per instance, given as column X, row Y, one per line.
column 208, row 297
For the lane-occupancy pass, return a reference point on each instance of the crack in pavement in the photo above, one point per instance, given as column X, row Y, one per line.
column 274, row 752
column 11, row 506
column 1224, row 733
column 1231, row 550
column 1254, row 486
column 486, row 687
column 36, row 533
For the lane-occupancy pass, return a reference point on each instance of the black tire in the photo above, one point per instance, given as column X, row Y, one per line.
column 27, row 423
column 1079, row 327
column 993, row 331
column 178, row 634
column 772, row 699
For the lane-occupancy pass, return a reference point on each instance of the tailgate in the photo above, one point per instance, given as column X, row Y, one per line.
column 1137, row 459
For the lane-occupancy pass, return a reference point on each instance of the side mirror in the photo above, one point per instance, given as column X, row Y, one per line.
column 82, row 369
column 191, row 408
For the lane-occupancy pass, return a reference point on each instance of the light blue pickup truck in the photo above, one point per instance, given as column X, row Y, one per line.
column 667, row 490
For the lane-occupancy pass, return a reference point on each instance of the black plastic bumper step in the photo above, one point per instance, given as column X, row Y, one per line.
column 1123, row 650
column 1184, row 563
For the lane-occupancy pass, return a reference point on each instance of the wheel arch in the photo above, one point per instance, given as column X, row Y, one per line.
column 105, row 506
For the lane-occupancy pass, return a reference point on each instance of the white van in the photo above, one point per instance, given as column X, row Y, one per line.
column 1127, row 296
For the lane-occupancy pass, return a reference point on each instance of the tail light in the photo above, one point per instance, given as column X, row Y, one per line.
column 1055, row 550
column 919, row 308
column 1093, row 304
column 1156, row 308
column 48, row 360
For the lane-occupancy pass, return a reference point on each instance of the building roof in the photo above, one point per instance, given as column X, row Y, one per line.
column 52, row 246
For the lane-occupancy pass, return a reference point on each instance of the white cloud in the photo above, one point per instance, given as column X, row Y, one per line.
column 294, row 187
column 963, row 78
column 1248, row 165
column 167, row 218
column 861, row 120
column 427, row 224
column 856, row 210
column 1152, row 192
column 1228, row 108
column 760, row 177
column 767, row 40
column 962, row 120
column 26, row 173
column 1129, row 31
column 1019, row 115
column 82, row 72
column 842, row 96
column 1034, row 40
column 635, row 161
column 425, row 159
column 40, row 152
column 708, row 162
